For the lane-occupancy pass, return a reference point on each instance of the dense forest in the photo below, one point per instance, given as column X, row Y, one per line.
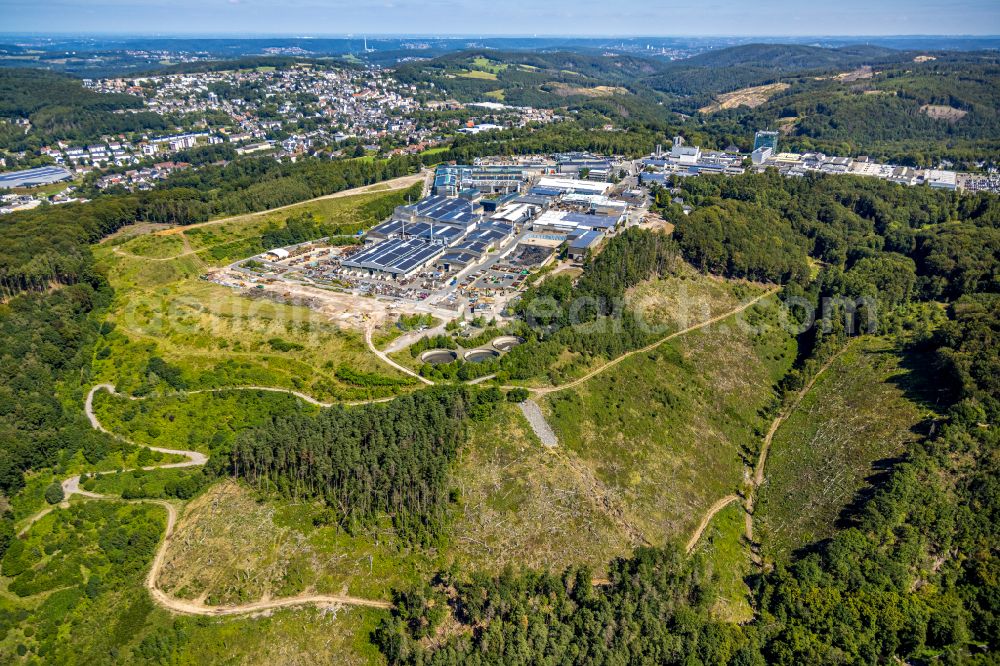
column 367, row 461
column 860, row 230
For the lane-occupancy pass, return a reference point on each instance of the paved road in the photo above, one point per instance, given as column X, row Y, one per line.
column 389, row 361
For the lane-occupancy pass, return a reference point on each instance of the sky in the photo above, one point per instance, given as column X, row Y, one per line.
column 666, row 18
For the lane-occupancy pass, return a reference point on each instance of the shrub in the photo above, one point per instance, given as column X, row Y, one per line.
column 517, row 395
column 54, row 493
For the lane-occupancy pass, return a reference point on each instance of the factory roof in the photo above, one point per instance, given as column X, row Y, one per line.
column 38, row 176
column 440, row 232
column 585, row 240
column 443, row 209
column 399, row 256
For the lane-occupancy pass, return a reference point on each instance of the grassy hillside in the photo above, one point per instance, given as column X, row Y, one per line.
column 522, row 504
column 698, row 78
column 610, row 86
column 850, row 428
column 666, row 432
column 727, row 554
column 214, row 337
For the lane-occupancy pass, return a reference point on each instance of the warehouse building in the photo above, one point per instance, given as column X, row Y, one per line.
column 31, row 177
column 583, row 243
column 395, row 257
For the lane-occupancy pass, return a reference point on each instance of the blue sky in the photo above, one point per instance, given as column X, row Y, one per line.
column 506, row 17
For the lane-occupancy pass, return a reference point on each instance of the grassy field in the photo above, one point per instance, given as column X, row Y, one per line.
column 478, row 74
column 306, row 636
column 666, row 305
column 728, row 562
column 201, row 421
column 522, row 504
column 859, row 417
column 230, row 240
column 232, row 547
column 667, row 431
column 218, row 337
column 687, row 298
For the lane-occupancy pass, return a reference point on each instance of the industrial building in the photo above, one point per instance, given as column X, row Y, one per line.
column 457, row 212
column 561, row 222
column 449, row 180
column 396, row 257
column 547, row 186
column 766, row 139
column 449, row 231
column 31, row 177
column 583, row 243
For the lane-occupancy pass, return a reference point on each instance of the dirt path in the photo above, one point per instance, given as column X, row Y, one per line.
column 382, row 186
column 610, row 364
column 71, row 487
column 707, row 518
column 385, row 358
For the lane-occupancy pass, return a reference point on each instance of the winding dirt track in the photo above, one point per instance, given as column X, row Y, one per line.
column 385, row 358
column 71, row 487
column 757, row 478
column 758, row 475
column 707, row 518
column 612, row 363
column 381, row 186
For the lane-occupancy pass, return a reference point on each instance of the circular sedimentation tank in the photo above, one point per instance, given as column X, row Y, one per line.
column 438, row 356
column 480, row 355
column 506, row 342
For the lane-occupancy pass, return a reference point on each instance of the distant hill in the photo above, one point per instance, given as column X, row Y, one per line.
column 791, row 57
column 912, row 112
column 756, row 64
column 548, row 80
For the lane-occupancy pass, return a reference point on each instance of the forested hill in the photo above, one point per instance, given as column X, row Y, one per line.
column 914, row 113
column 911, row 578
column 756, row 64
column 791, row 57
column 60, row 108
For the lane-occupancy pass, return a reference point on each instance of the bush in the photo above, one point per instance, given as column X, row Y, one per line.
column 517, row 395
column 54, row 493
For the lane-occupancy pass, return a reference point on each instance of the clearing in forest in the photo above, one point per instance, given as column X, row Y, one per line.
column 211, row 336
column 943, row 112
column 850, row 428
column 232, row 547
column 751, row 97
column 523, row 504
column 666, row 432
